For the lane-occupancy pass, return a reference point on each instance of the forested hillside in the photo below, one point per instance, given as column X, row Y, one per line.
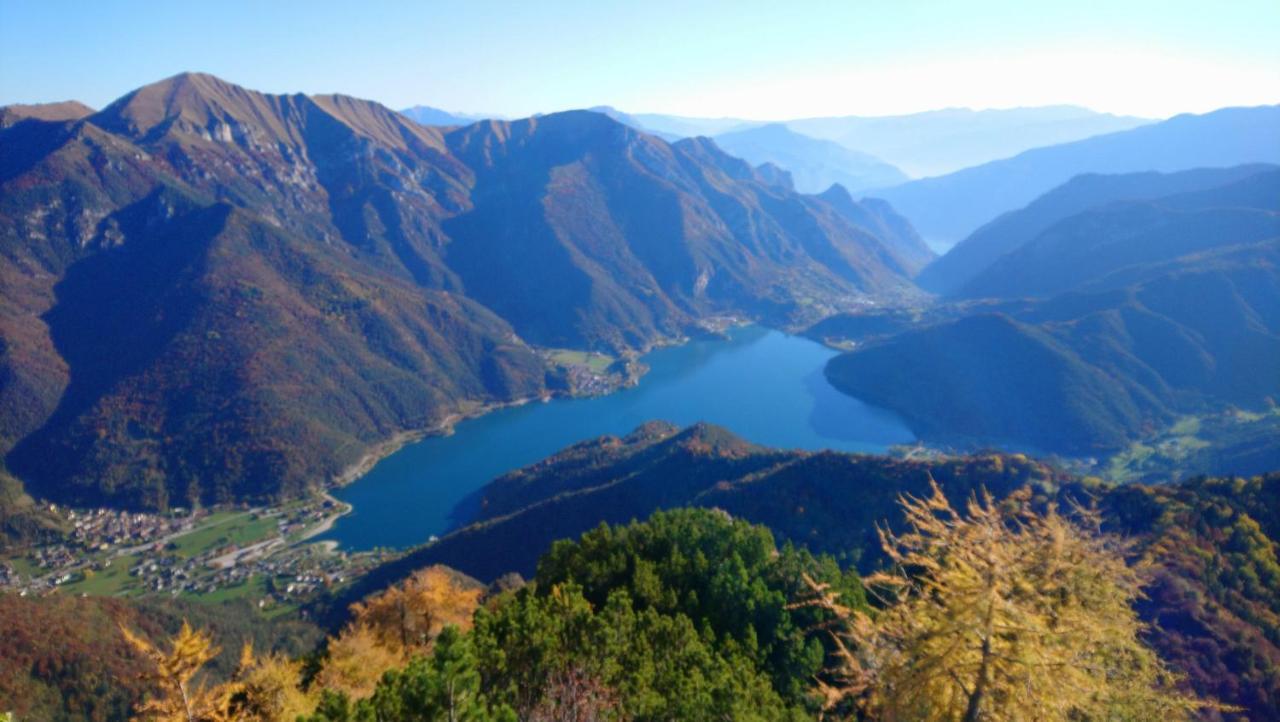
column 1015, row 229
column 1084, row 249
column 215, row 294
column 614, row 480
column 1097, row 320
column 1087, row 372
column 699, row 614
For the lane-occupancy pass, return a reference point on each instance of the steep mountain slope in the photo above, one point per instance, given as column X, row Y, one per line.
column 216, row 294
column 814, row 164
column 1090, row 245
column 1086, row 372
column 1213, row 601
column 944, row 141
column 63, row 659
column 641, row 235
column 1015, row 229
column 168, row 348
column 878, row 217
column 947, row 208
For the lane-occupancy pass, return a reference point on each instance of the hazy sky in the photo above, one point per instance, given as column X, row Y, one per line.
column 766, row 60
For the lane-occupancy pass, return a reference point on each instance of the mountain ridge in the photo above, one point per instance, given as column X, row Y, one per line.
column 814, row 164
column 1088, row 371
column 947, row 208
column 1014, row 229
column 1100, row 240
column 314, row 274
column 53, row 112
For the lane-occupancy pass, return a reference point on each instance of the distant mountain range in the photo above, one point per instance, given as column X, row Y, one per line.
column 1015, row 229
column 1087, row 248
column 944, row 141
column 948, row 208
column 815, row 165
column 215, row 294
column 921, row 144
column 68, row 110
column 678, row 126
column 1147, row 310
column 427, row 115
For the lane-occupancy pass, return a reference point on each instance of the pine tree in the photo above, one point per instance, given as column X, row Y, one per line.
column 270, row 689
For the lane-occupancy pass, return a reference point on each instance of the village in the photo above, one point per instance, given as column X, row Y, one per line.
column 266, row 554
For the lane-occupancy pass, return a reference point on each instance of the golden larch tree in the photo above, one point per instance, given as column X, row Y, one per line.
column 999, row 613
column 411, row 614
column 270, row 688
column 180, row 698
column 355, row 661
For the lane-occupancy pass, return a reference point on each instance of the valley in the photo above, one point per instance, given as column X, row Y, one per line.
column 404, row 275
column 263, row 555
column 601, row 415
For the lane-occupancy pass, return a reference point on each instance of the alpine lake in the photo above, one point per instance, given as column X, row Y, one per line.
column 764, row 385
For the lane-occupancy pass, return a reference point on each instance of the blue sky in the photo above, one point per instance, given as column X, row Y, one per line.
column 742, row 58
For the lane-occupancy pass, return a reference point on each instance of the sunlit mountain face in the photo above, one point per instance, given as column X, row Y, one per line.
column 659, row 362
column 403, row 274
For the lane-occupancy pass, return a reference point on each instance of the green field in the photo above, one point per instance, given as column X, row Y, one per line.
column 597, row 362
column 113, row 580
column 26, row 567
column 252, row 589
column 223, row 528
column 1187, row 447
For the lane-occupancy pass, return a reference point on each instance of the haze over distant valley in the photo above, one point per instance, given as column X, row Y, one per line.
column 663, row 361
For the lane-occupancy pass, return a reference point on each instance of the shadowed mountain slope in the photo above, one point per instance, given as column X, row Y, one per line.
column 643, row 235
column 1088, row 371
column 878, row 217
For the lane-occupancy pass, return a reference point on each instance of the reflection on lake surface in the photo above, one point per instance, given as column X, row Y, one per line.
column 764, row 385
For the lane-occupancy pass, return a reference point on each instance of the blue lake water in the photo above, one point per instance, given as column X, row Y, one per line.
column 764, row 385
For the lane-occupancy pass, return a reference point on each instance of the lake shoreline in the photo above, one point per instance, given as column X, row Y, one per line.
column 703, row 377
column 382, row 449
column 399, row 440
